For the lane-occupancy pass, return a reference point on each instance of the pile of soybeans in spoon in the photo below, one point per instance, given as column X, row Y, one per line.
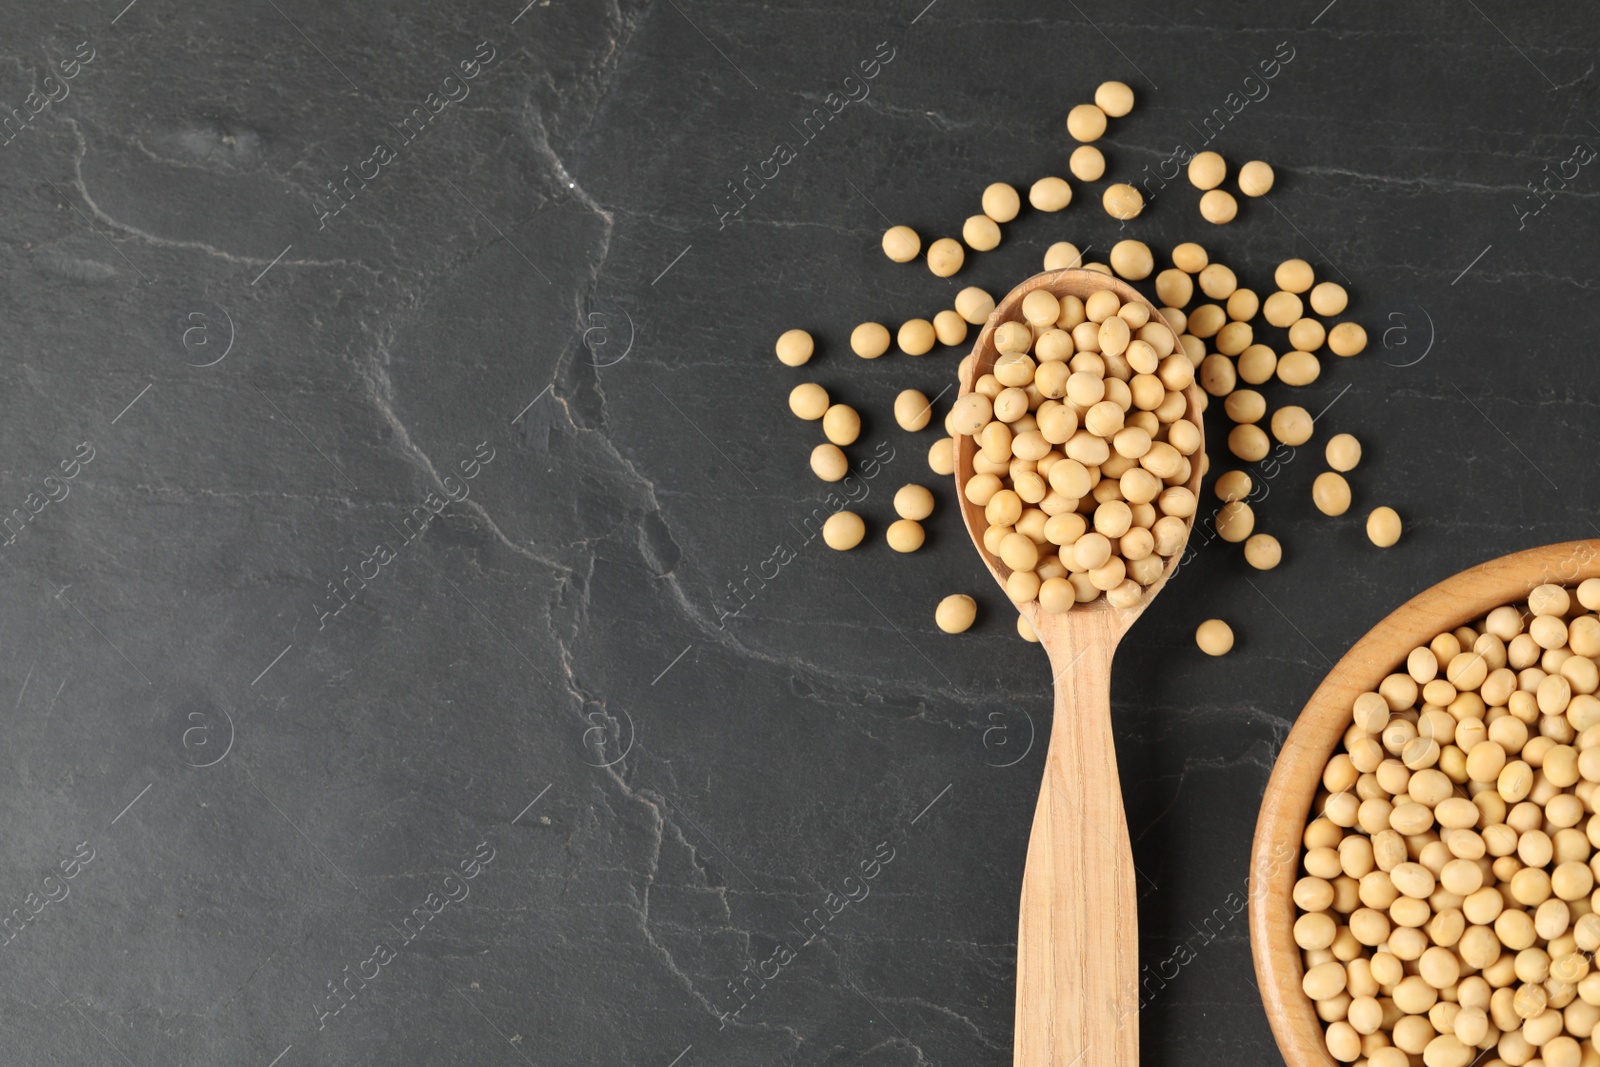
column 1447, row 906
column 1212, row 328
column 1083, row 450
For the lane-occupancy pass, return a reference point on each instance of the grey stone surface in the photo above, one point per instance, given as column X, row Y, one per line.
column 541, row 298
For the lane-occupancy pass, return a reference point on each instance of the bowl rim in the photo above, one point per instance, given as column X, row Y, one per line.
column 1297, row 772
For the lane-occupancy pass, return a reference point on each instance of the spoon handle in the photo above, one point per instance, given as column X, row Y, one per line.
column 1077, row 938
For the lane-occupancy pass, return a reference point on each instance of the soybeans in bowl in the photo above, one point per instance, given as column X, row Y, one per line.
column 1446, row 905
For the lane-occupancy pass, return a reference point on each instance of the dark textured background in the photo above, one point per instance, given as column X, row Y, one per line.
column 696, row 790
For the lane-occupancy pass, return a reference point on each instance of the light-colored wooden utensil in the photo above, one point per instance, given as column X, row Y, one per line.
column 1275, row 855
column 1077, row 937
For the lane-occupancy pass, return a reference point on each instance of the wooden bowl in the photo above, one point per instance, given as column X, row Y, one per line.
column 1275, row 856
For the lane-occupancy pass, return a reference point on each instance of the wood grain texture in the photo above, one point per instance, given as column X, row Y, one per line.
column 1077, row 935
column 1275, row 855
column 1077, row 932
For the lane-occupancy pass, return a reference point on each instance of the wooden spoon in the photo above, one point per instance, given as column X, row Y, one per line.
column 1077, row 938
column 1275, row 855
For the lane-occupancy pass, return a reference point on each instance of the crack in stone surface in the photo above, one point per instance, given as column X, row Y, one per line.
column 169, row 242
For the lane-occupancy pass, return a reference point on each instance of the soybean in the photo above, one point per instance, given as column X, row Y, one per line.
column 974, row 305
column 1347, row 339
column 1343, row 452
column 1086, row 163
column 1294, row 276
column 1298, row 368
column 981, row 233
column 1292, row 425
column 1206, row 170
column 912, row 409
column 1331, row 493
column 869, row 340
column 1053, row 194
column 841, row 424
column 1086, row 123
column 1218, row 206
column 843, row 530
column 1249, row 442
column 955, row 613
column 829, row 463
column 809, row 401
column 1114, row 98
column 1190, row 258
column 1001, row 202
column 1061, row 255
column 1256, row 178
column 1122, row 201
column 1328, row 298
column 1383, row 527
column 794, row 348
column 905, row 535
column 1282, row 309
column 1215, row 638
column 945, row 257
column 913, row 502
column 949, row 327
column 1263, row 552
column 1235, row 521
column 1232, row 485
column 1307, row 335
column 1132, row 260
column 901, row 243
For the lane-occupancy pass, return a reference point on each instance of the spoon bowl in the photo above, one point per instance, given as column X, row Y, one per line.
column 1077, row 936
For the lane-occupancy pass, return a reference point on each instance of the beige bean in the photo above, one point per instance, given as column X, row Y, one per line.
column 1331, row 493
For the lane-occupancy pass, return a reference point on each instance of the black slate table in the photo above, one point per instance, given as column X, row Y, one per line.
column 390, row 419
